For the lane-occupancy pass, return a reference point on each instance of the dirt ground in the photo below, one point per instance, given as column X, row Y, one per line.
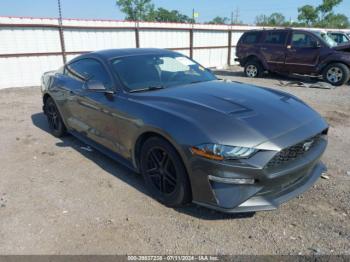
column 57, row 198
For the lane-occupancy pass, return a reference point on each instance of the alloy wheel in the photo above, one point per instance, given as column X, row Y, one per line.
column 252, row 71
column 334, row 74
column 161, row 170
column 52, row 116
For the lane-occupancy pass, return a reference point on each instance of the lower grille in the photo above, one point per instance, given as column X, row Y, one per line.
column 294, row 152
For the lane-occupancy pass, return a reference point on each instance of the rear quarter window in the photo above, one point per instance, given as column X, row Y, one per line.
column 277, row 38
column 250, row 38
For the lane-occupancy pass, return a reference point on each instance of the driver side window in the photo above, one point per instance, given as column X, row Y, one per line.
column 302, row 40
column 88, row 69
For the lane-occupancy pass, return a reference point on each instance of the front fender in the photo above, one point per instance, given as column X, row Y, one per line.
column 334, row 58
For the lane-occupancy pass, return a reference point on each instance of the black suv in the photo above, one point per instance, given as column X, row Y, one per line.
column 294, row 51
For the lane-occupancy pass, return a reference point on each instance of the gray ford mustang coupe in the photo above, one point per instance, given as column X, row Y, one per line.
column 228, row 146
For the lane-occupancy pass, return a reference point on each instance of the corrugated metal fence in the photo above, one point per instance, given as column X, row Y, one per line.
column 31, row 46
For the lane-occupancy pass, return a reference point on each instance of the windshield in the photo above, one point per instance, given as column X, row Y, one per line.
column 147, row 71
column 326, row 38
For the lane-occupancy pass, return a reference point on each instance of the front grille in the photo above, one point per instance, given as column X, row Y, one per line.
column 294, row 152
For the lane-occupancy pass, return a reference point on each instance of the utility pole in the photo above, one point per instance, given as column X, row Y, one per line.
column 236, row 16
column 60, row 29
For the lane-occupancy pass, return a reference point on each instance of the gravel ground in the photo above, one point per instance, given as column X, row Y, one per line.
column 57, row 198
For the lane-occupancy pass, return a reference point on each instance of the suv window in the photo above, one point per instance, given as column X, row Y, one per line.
column 303, row 40
column 251, row 38
column 87, row 69
column 277, row 38
column 339, row 38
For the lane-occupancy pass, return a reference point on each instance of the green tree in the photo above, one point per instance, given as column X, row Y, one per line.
column 322, row 15
column 219, row 20
column 164, row 15
column 262, row 20
column 308, row 14
column 275, row 19
column 136, row 10
column 327, row 7
column 334, row 21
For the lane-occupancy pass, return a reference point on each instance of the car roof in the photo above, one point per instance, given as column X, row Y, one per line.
column 268, row 29
column 337, row 32
column 113, row 53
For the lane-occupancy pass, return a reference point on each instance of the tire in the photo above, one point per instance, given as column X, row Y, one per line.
column 54, row 119
column 253, row 69
column 164, row 173
column 336, row 74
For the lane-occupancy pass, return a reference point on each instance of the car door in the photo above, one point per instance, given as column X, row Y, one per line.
column 273, row 49
column 92, row 112
column 303, row 53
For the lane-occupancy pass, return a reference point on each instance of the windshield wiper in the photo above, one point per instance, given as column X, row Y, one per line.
column 200, row 81
column 197, row 81
column 149, row 88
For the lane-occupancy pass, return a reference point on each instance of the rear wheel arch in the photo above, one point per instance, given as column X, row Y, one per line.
column 251, row 58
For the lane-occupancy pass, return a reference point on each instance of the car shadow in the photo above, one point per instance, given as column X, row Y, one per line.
column 285, row 79
column 126, row 175
column 228, row 73
column 273, row 76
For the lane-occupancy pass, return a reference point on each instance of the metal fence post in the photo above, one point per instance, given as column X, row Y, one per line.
column 229, row 53
column 137, row 37
column 137, row 34
column 191, row 42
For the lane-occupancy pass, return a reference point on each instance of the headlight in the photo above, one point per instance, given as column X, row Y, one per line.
column 221, row 152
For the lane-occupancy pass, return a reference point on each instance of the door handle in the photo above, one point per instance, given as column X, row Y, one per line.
column 263, row 48
column 291, row 49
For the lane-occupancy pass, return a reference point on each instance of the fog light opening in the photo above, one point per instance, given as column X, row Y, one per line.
column 236, row 181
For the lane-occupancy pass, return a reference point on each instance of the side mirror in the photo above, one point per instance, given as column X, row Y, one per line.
column 316, row 44
column 95, row 85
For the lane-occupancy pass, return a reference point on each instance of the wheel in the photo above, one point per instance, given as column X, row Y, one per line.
column 253, row 69
column 164, row 173
column 336, row 74
column 54, row 119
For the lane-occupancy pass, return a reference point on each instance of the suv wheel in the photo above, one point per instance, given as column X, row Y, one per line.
column 336, row 74
column 253, row 69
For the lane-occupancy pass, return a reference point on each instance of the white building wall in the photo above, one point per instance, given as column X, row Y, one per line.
column 91, row 40
column 164, row 38
column 26, row 52
column 28, row 40
column 26, row 71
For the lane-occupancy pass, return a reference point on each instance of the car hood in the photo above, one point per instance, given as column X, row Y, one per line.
column 342, row 47
column 234, row 113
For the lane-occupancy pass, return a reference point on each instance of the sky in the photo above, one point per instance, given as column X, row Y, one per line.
column 207, row 9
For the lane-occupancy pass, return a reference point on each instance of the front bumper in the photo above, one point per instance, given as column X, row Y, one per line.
column 272, row 201
column 272, row 187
